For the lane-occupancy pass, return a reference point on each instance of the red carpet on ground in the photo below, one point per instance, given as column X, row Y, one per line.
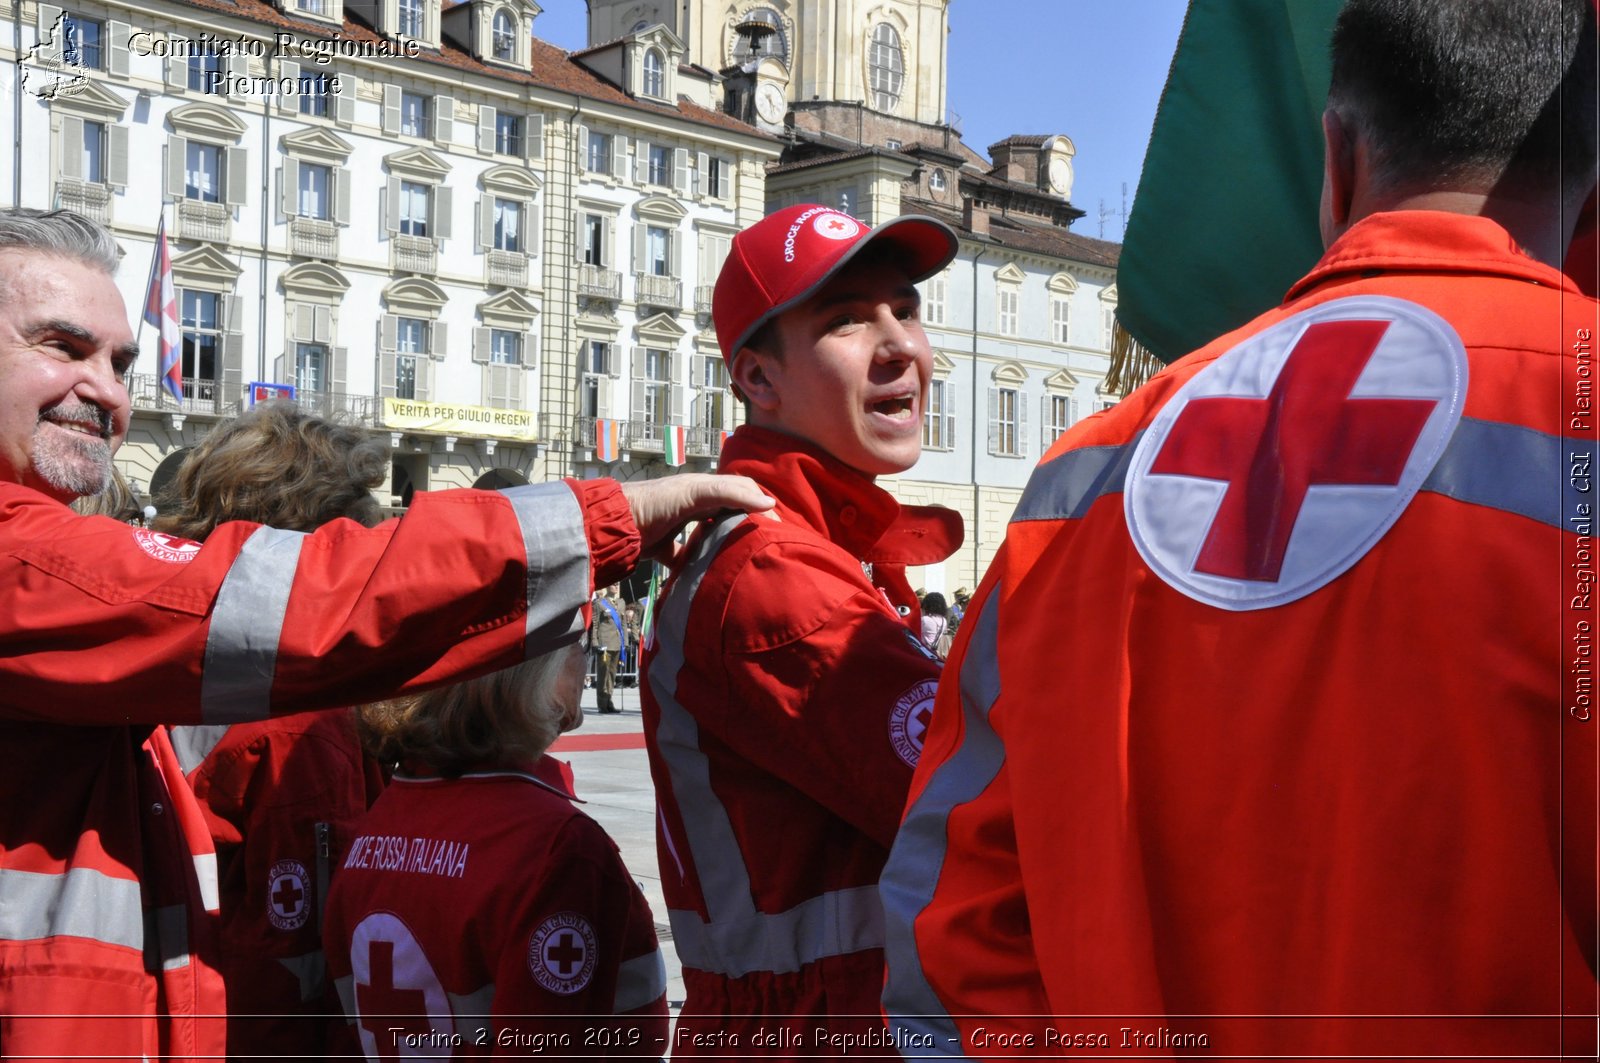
column 580, row 743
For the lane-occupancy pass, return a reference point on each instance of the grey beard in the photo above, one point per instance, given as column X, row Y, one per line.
column 78, row 466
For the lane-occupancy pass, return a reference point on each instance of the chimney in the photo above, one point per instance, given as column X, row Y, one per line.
column 975, row 218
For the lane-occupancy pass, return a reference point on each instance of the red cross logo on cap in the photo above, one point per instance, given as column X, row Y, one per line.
column 1280, row 465
column 836, row 226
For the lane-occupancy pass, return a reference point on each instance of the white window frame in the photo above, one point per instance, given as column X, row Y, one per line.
column 411, row 18
column 938, row 416
column 415, row 117
column 658, row 167
column 411, row 194
column 935, row 299
column 503, row 42
column 886, row 67
column 1007, row 310
column 653, row 74
column 1060, row 414
column 1060, row 319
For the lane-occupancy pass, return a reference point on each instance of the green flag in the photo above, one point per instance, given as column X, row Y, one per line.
column 1225, row 217
column 648, row 621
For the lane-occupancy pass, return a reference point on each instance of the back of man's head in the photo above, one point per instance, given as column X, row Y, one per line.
column 1471, row 95
column 58, row 232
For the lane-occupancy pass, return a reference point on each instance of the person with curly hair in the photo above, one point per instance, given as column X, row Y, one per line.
column 280, row 796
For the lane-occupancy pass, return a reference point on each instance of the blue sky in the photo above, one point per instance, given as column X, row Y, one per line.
column 1090, row 69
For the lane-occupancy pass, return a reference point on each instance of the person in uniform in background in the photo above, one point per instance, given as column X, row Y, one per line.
column 1262, row 737
column 605, row 637
column 786, row 687
column 281, row 795
column 477, row 900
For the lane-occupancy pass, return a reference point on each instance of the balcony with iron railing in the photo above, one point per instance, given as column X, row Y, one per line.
column 89, row 198
column 597, row 282
column 642, row 436
column 702, row 298
column 313, row 238
column 413, row 254
column 664, row 293
column 205, row 397
column 507, row 269
column 705, row 442
column 198, row 220
column 341, row 405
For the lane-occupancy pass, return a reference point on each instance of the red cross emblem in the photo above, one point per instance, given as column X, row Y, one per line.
column 908, row 720
column 565, row 954
column 561, row 953
column 288, row 903
column 288, row 896
column 1277, row 467
column 836, row 226
column 397, row 994
column 387, row 1011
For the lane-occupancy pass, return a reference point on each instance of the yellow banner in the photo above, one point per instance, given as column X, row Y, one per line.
column 452, row 420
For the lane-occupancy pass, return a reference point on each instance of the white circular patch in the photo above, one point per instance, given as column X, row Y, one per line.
column 288, row 895
column 1277, row 467
column 164, row 547
column 562, row 953
column 836, row 226
column 908, row 720
column 396, row 986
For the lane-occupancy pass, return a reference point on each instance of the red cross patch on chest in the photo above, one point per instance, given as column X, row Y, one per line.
column 1277, row 467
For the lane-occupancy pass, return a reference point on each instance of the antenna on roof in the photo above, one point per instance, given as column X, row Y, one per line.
column 1107, row 212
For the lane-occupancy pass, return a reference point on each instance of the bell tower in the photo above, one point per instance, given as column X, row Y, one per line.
column 888, row 55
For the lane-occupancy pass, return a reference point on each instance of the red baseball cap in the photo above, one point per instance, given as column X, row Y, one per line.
column 783, row 259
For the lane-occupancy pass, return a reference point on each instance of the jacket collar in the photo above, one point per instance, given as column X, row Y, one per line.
column 1431, row 240
column 830, row 497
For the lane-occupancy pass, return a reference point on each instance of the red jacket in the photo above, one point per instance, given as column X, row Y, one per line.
column 1272, row 736
column 783, row 714
column 281, row 798
column 106, row 873
column 487, row 916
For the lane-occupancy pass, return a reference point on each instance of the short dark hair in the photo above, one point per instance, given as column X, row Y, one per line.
column 767, row 339
column 1474, row 93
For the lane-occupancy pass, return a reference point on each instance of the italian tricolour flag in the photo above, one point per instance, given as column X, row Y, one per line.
column 673, row 439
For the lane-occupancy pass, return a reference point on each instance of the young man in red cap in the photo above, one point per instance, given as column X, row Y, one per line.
column 786, row 688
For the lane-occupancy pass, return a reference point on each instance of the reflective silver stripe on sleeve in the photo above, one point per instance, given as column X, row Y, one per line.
column 80, row 903
column 917, row 859
column 310, row 970
column 194, row 744
column 1064, row 487
column 557, row 551
column 1508, row 467
column 347, row 997
column 736, row 938
column 641, row 981
column 246, row 627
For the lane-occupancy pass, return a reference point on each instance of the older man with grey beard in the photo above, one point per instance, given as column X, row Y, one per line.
column 107, row 878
